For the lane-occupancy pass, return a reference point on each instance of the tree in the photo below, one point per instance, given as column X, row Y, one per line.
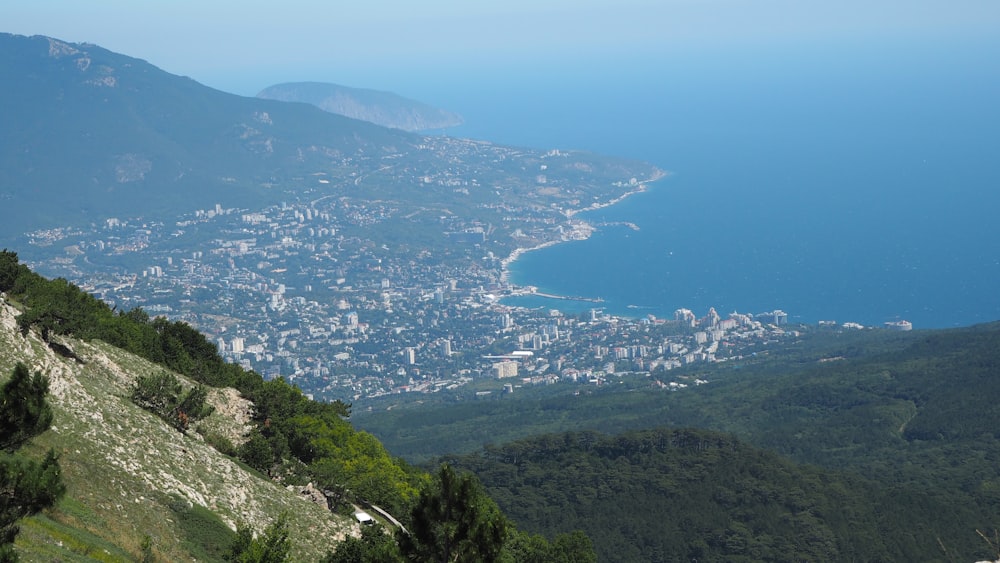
column 574, row 547
column 374, row 546
column 24, row 413
column 26, row 486
column 162, row 395
column 257, row 453
column 10, row 269
column 271, row 547
column 522, row 547
column 454, row 520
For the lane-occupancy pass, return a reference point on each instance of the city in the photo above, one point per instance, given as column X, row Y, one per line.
column 283, row 292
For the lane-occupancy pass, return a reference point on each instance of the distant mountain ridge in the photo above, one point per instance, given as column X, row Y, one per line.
column 98, row 131
column 90, row 135
column 375, row 106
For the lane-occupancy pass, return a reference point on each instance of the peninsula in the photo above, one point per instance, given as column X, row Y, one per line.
column 375, row 106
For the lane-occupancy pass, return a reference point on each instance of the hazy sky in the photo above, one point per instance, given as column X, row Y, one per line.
column 242, row 46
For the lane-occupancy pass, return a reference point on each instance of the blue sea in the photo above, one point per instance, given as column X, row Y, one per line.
column 849, row 183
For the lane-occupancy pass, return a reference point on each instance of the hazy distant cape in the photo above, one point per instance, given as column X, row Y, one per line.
column 381, row 108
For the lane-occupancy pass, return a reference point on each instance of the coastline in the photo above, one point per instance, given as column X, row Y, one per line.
column 640, row 187
column 579, row 230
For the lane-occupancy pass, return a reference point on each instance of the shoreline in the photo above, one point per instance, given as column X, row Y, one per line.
column 640, row 187
column 579, row 230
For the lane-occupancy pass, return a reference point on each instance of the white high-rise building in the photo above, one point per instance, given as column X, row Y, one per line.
column 684, row 315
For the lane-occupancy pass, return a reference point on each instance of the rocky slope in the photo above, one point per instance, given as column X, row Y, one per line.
column 130, row 476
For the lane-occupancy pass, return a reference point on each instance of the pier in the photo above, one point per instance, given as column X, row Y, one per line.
column 568, row 297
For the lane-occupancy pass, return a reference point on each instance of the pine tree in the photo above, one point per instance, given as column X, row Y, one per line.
column 455, row 520
column 271, row 547
column 374, row 545
column 9, row 270
column 26, row 486
column 24, row 413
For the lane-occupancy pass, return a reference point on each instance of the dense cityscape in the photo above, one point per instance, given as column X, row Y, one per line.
column 281, row 292
column 389, row 276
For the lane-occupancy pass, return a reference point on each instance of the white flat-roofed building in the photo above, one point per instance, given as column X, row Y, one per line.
column 505, row 369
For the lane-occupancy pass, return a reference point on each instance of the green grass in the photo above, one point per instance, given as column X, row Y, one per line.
column 48, row 537
column 204, row 536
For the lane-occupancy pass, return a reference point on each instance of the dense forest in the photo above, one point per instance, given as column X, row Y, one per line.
column 459, row 423
column 908, row 418
column 685, row 495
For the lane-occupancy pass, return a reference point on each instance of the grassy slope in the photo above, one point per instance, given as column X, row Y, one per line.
column 129, row 475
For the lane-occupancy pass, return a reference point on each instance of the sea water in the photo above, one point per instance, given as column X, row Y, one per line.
column 850, row 184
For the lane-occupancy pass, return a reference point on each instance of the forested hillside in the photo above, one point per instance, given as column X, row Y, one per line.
column 684, row 495
column 910, row 416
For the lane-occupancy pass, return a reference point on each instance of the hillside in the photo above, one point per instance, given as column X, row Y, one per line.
column 203, row 466
column 375, row 106
column 912, row 415
column 681, row 495
column 130, row 475
column 108, row 134
column 115, row 138
column 828, row 397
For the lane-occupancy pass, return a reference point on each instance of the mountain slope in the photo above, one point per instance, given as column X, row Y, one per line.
column 681, row 495
column 912, row 414
column 828, row 398
column 129, row 475
column 96, row 130
column 375, row 106
column 90, row 135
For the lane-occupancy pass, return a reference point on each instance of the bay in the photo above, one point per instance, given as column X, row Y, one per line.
column 851, row 184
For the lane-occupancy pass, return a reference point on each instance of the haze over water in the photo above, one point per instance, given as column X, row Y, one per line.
column 837, row 183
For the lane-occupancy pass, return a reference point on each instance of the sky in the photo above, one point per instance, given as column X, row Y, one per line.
column 244, row 46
